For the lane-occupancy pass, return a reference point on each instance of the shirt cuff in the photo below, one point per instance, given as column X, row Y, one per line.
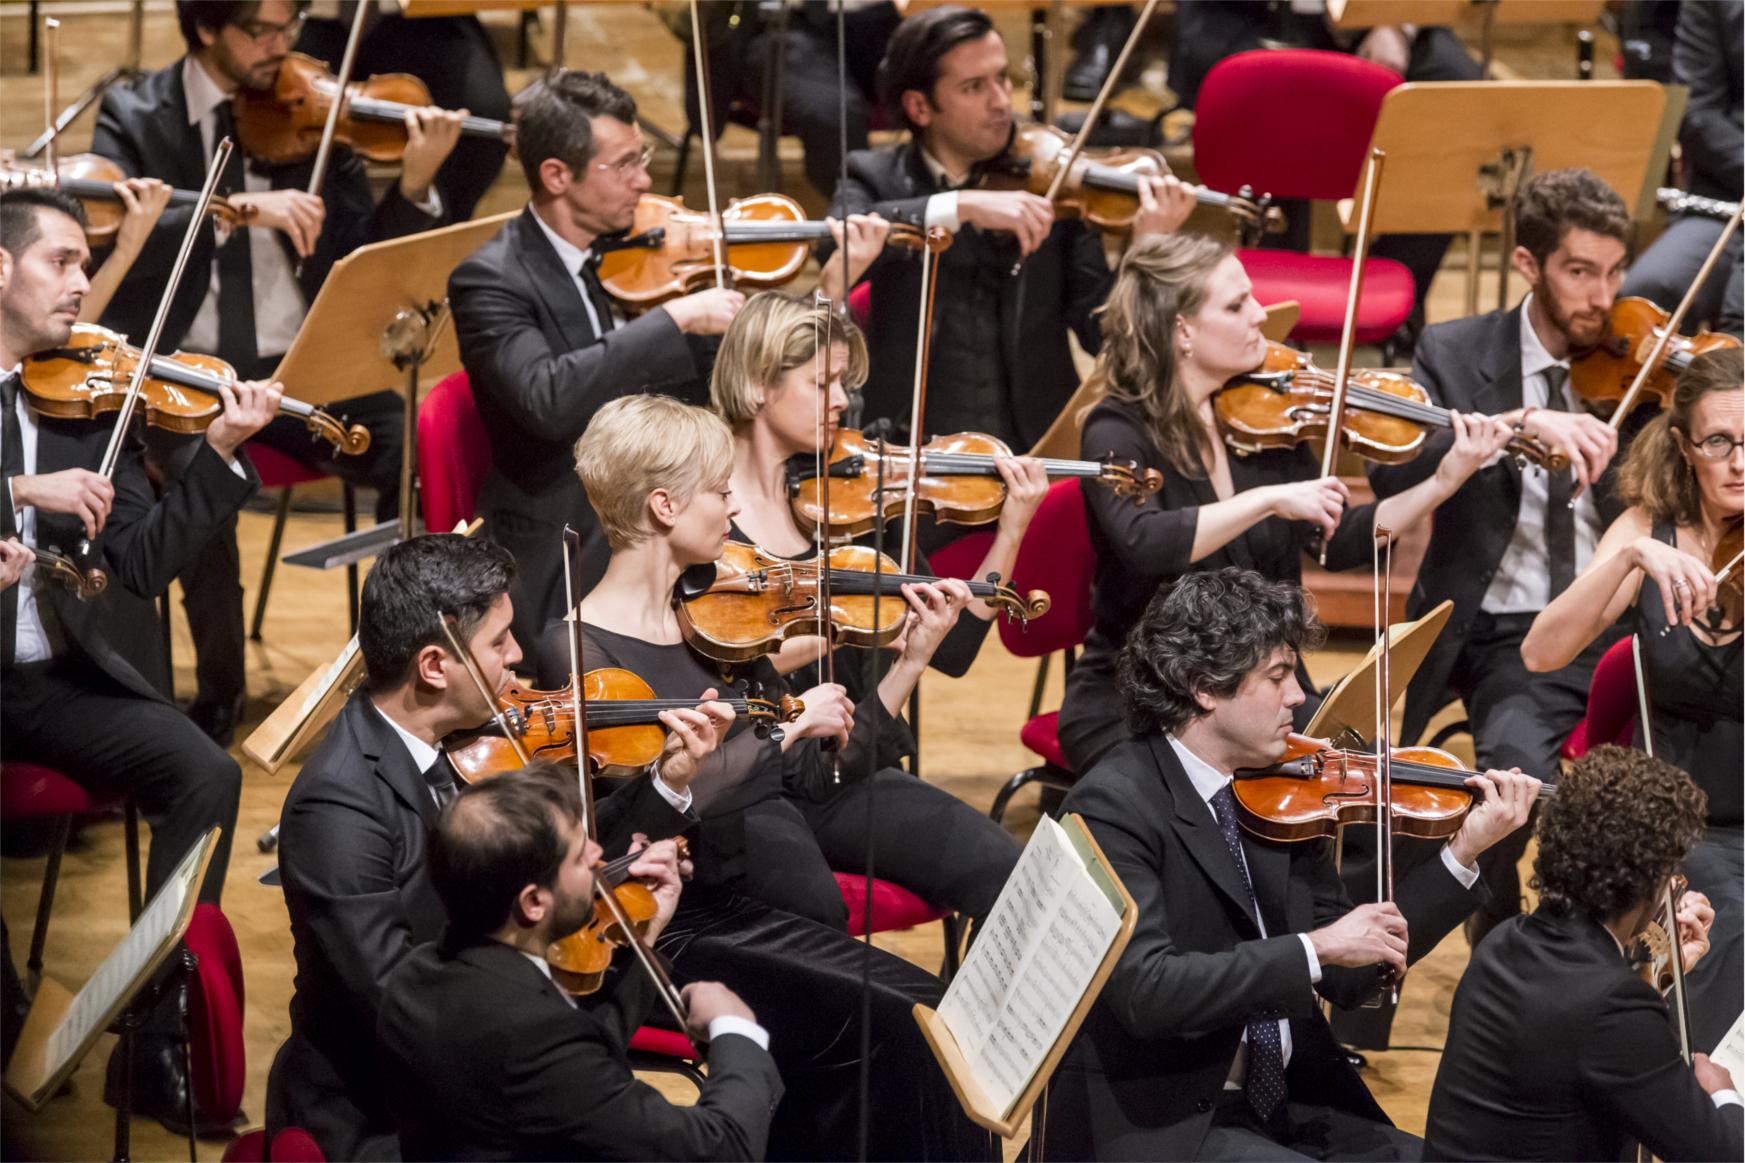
column 1314, row 961
column 942, row 211
column 235, row 464
column 432, row 204
column 732, row 1024
column 1466, row 874
column 680, row 800
column 1721, row 1097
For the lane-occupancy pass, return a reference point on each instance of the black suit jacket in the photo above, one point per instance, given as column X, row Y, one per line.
column 1141, row 1079
column 1557, row 1051
column 1470, row 365
column 144, row 129
column 539, row 373
column 1706, row 57
column 486, row 1060
column 1058, row 289
column 146, row 541
column 351, row 853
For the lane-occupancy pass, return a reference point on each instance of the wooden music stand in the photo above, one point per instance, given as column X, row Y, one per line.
column 1347, row 715
column 1458, row 150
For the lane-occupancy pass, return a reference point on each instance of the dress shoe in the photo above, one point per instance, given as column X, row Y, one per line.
column 1096, row 44
column 217, row 718
column 159, row 1086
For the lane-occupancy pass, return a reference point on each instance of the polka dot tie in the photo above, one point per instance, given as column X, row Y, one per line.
column 1266, row 1061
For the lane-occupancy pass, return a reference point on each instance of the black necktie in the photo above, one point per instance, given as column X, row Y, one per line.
column 1265, row 1083
column 440, row 776
column 596, row 293
column 11, row 464
column 1560, row 492
column 236, row 331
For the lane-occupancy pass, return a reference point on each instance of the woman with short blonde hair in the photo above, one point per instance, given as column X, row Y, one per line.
column 656, row 444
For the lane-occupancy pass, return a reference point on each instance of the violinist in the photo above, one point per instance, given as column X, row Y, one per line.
column 246, row 294
column 541, row 341
column 356, row 822
column 485, row 1057
column 1208, row 1042
column 1002, row 363
column 1557, row 1048
column 1180, row 323
column 143, row 200
column 1684, row 482
column 62, row 670
column 1510, row 540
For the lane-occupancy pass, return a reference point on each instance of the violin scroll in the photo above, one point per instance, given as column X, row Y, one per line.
column 1127, row 479
column 349, row 440
column 1018, row 607
column 83, row 584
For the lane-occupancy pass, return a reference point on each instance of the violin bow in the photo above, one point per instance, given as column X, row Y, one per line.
column 824, row 446
column 51, row 96
column 1348, row 336
column 1382, row 595
column 918, row 394
column 700, row 54
column 1083, row 136
column 318, row 174
column 572, row 553
column 456, row 647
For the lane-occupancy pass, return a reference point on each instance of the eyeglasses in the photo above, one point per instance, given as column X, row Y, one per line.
column 623, row 168
column 261, row 32
column 1716, row 447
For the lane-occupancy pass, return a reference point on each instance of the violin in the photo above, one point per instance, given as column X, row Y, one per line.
column 1315, row 789
column 285, row 124
column 670, row 249
column 579, row 961
column 1729, row 569
column 91, row 179
column 959, row 481
column 89, row 374
column 624, row 729
column 1102, row 187
column 1603, row 373
column 1652, row 951
column 83, row 584
column 1286, row 401
column 749, row 602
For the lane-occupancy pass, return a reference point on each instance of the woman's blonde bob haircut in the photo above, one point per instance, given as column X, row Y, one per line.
column 637, row 444
column 771, row 336
column 1655, row 474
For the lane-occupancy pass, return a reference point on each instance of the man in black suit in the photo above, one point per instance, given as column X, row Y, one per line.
column 486, row 1057
column 354, row 828
column 1510, row 540
column 244, row 297
column 1557, row 1049
column 1014, row 283
column 543, row 343
column 72, row 701
column 1208, row 1040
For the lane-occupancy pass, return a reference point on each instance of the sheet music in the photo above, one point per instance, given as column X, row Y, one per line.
column 1032, row 961
column 1731, row 1052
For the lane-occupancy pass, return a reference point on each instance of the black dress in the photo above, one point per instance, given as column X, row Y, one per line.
column 1696, row 691
column 1142, row 547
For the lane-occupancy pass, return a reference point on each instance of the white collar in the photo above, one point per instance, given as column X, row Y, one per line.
column 202, row 91
column 423, row 754
column 568, row 253
column 941, row 176
column 1208, row 781
column 1534, row 357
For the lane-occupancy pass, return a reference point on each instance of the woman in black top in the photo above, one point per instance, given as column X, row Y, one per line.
column 1180, row 323
column 1684, row 480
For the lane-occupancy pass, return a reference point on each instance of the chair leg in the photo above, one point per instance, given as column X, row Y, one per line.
column 51, row 875
column 349, row 498
column 1036, row 690
column 998, row 811
column 954, row 926
column 135, row 890
column 165, row 613
column 260, row 601
column 661, row 1064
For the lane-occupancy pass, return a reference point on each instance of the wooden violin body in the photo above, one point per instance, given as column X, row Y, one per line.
column 1603, row 373
column 579, row 961
column 1316, row 789
column 91, row 179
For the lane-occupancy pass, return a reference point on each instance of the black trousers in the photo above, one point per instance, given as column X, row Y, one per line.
column 72, row 717
column 803, row 981
column 925, row 839
column 1664, row 272
column 1315, row 1132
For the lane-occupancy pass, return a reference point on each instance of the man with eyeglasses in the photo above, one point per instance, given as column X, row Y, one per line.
column 543, row 343
column 246, row 291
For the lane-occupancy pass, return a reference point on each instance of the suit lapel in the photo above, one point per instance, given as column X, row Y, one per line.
column 392, row 763
column 1502, row 387
column 554, row 285
column 1199, row 831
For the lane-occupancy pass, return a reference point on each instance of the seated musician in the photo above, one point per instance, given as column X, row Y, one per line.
column 354, row 828
column 544, row 345
column 1509, row 540
column 1180, row 323
column 1557, row 1048
column 1208, row 1041
column 1684, row 480
column 1002, row 363
column 662, row 477
column 62, row 674
column 486, row 1057
column 246, row 294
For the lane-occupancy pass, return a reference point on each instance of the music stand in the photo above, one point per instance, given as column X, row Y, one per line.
column 1347, row 714
column 1458, row 152
column 378, row 323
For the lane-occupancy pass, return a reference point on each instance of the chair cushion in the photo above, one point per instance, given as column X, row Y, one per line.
column 278, row 471
column 893, row 906
column 248, row 1147
column 960, row 558
column 666, row 1043
column 295, row 1145
column 1321, row 284
column 30, row 790
column 1042, row 735
column 215, row 1015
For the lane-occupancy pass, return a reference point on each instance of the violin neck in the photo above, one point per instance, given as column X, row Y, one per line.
column 91, row 188
column 1123, row 182
column 861, row 583
column 373, row 109
column 201, row 380
column 981, row 464
column 745, row 233
column 607, row 713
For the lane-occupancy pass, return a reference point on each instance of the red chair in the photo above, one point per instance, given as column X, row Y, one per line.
column 293, row 1145
column 1296, row 123
column 454, row 454
column 895, row 908
column 218, row 1058
column 1611, row 702
column 665, row 1052
column 278, row 471
column 30, row 791
column 860, row 304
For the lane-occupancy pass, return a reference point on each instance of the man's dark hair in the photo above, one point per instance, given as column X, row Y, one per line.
column 554, row 122
column 912, row 57
column 1204, row 635
column 498, row 837
column 214, row 15
column 1621, row 822
column 413, row 585
column 21, row 215
column 1555, row 202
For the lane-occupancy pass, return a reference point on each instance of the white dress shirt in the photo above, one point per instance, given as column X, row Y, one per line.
column 573, row 258
column 1522, row 584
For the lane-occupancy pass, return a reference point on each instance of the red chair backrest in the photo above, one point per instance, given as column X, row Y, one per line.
column 454, row 454
column 1293, row 123
column 215, row 1008
column 1055, row 556
column 860, row 304
column 1611, row 696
